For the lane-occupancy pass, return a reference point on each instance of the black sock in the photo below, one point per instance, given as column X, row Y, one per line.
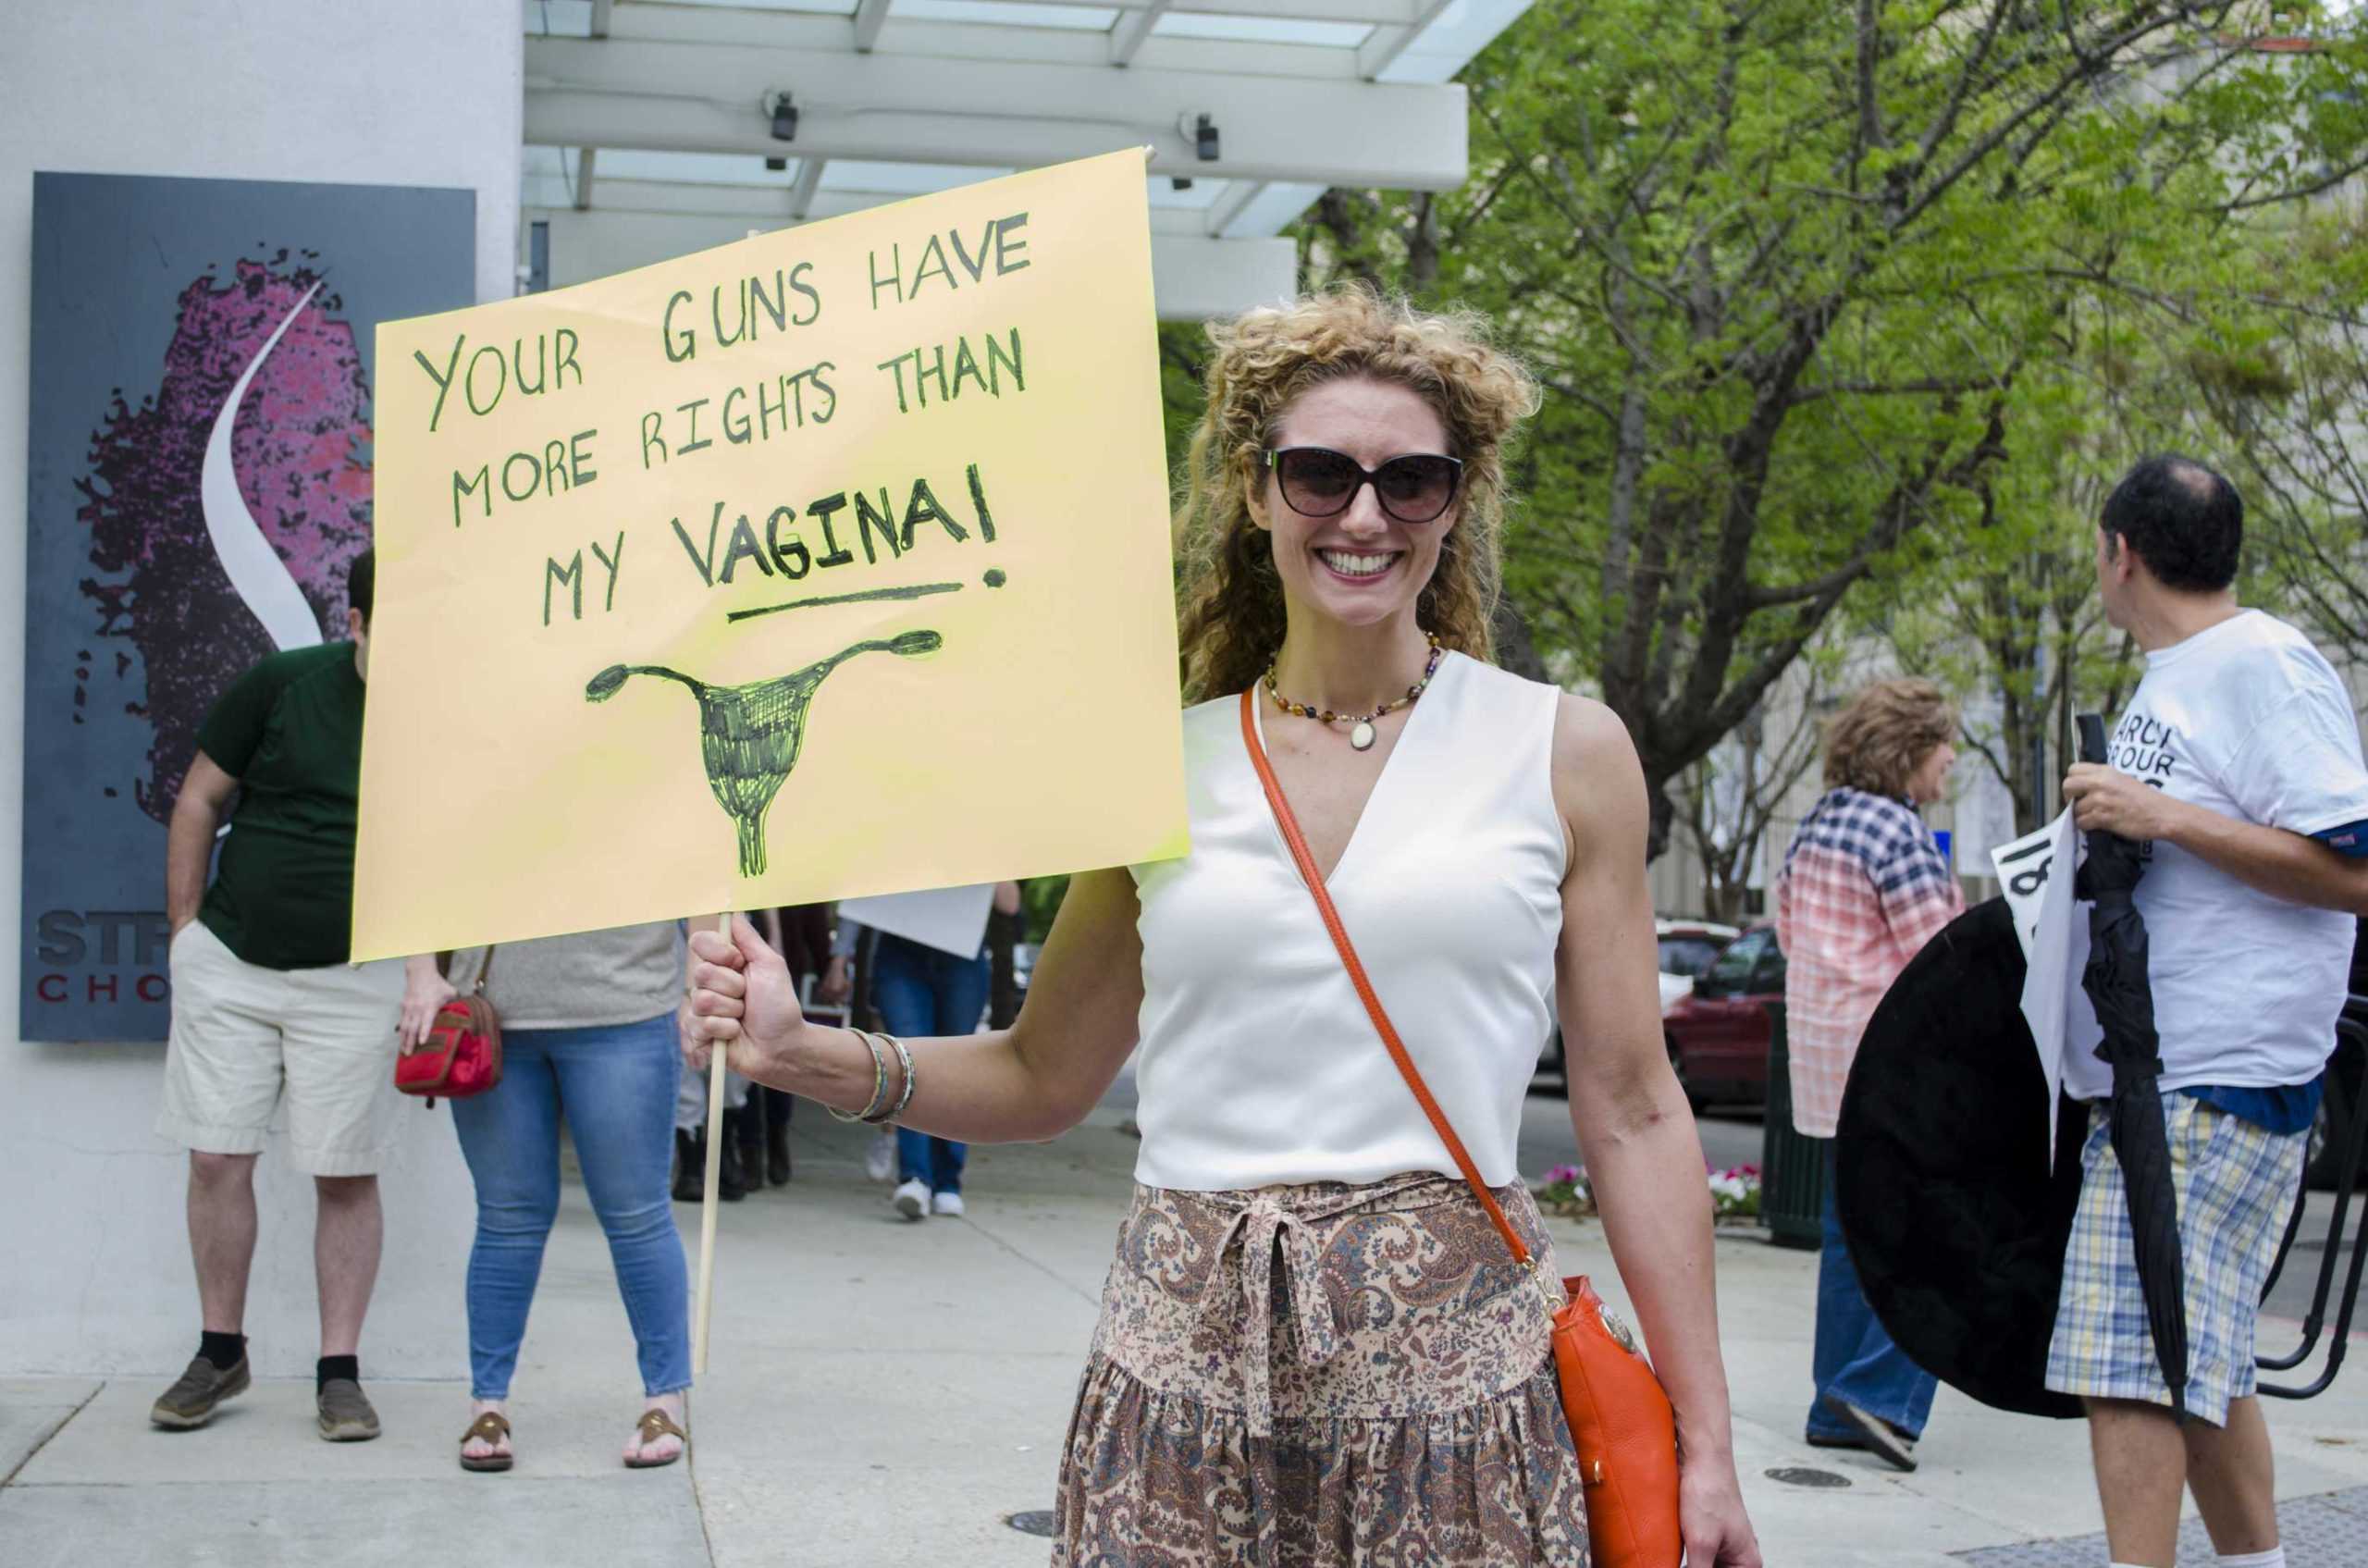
column 222, row 1349
column 329, row 1366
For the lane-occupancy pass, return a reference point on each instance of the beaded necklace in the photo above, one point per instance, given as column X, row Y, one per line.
column 1364, row 734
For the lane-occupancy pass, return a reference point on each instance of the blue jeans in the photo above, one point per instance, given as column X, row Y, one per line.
column 616, row 1085
column 1853, row 1360
column 921, row 991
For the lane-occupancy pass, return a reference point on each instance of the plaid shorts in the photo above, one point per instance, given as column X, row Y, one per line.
column 2237, row 1184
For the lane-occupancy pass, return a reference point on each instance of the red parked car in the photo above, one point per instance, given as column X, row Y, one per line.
column 1688, row 947
column 1719, row 1036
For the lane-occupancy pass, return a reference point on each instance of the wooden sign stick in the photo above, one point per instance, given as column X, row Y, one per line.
column 715, row 1071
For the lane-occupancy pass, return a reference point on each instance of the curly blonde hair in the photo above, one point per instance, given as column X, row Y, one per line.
column 1231, row 617
column 1877, row 741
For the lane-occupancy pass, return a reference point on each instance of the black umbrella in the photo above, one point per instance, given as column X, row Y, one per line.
column 2115, row 981
column 1956, row 1212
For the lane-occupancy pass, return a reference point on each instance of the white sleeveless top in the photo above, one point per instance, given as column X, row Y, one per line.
column 1258, row 1064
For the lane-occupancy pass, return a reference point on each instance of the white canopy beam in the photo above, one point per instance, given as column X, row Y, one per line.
column 871, row 16
column 989, row 114
column 1269, row 209
column 903, row 35
column 1376, row 12
column 810, row 183
column 1193, row 278
column 1230, row 205
column 1132, row 28
column 773, row 206
column 1388, row 44
column 1444, row 41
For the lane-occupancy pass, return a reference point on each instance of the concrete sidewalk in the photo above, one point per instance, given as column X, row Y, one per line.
column 887, row 1394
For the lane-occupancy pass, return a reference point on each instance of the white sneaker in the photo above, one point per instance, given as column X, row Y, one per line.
column 879, row 1160
column 912, row 1198
column 947, row 1204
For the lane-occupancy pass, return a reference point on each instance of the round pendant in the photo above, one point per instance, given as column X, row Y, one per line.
column 1362, row 737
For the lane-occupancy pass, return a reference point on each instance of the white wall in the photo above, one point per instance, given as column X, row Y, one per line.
column 428, row 92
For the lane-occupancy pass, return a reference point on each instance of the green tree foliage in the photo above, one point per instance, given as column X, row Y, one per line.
column 2012, row 621
column 1183, row 368
column 2292, row 405
column 1801, row 276
column 2254, row 365
column 1040, row 900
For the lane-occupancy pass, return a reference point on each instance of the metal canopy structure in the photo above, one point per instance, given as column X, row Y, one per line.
column 658, row 127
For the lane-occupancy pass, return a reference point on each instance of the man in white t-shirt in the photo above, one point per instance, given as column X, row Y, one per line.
column 2238, row 764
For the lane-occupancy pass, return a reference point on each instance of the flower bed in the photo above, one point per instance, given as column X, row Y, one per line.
column 1566, row 1190
column 1734, row 1194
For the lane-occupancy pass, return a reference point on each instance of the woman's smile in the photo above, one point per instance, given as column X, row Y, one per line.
column 1360, row 567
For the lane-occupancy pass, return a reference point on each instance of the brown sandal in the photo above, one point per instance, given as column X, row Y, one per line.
column 655, row 1424
column 491, row 1428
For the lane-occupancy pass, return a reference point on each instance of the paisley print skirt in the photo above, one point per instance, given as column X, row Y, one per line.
column 1321, row 1377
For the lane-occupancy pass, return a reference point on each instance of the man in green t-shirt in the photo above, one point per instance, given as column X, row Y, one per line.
column 266, row 1003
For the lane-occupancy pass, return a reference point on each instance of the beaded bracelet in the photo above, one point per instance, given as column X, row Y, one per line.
column 879, row 1082
column 904, row 1059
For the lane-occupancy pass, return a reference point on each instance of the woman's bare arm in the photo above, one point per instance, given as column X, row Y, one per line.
column 1031, row 1081
column 1643, row 1154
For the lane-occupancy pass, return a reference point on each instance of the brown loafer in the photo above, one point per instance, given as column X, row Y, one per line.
column 654, row 1425
column 488, row 1428
column 345, row 1413
column 191, row 1402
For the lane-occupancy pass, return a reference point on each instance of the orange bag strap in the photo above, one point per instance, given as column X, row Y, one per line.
column 1285, row 820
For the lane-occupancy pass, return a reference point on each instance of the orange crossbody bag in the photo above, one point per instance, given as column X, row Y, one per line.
column 1620, row 1416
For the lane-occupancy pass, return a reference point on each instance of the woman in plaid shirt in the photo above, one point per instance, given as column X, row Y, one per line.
column 1863, row 887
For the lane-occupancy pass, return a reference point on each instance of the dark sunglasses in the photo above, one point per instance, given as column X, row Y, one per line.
column 1319, row 482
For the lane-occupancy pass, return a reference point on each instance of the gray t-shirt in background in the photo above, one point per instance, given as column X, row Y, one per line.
column 582, row 981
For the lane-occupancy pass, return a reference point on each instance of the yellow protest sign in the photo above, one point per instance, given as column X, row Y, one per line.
column 830, row 562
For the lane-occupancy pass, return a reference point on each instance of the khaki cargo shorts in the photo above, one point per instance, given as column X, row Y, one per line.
column 242, row 1034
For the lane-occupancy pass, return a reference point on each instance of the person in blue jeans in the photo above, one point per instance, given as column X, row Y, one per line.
column 1865, row 886
column 1853, row 1363
column 589, row 1034
column 920, row 991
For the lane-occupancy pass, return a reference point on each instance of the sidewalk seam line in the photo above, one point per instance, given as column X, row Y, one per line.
column 1089, row 1296
column 698, row 1499
column 31, row 1454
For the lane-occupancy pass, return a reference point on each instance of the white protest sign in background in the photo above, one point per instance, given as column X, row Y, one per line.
column 2037, row 869
column 952, row 919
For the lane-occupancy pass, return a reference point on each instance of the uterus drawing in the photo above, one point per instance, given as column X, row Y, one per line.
column 750, row 735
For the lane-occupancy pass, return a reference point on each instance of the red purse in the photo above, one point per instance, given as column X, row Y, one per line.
column 1620, row 1416
column 462, row 1053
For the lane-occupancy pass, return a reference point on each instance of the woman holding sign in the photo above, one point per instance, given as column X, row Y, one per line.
column 1315, row 1346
